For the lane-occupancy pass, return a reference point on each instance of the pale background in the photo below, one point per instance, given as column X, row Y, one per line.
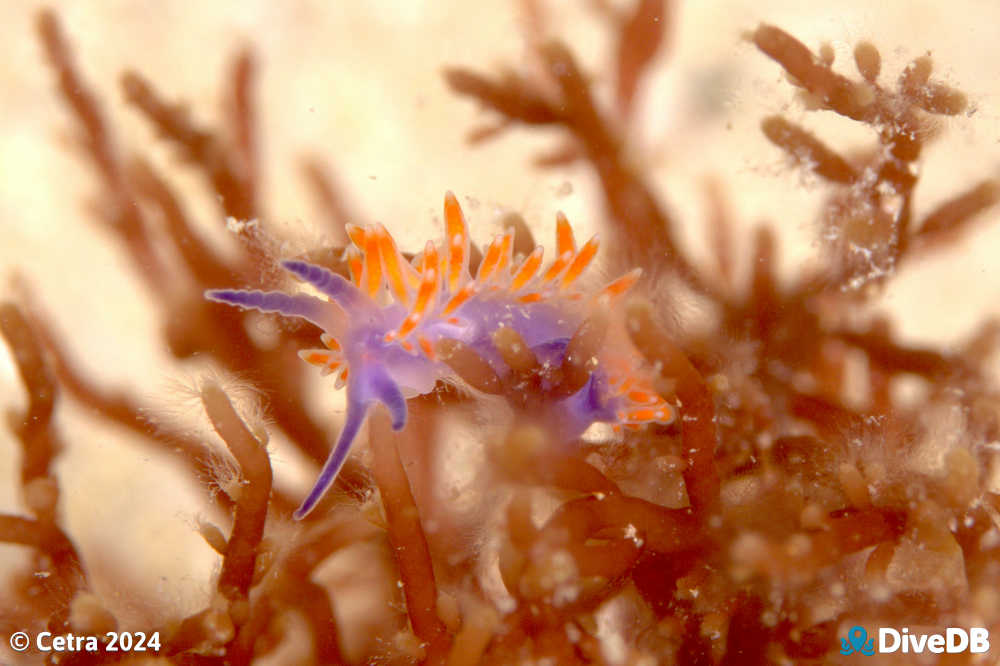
column 359, row 85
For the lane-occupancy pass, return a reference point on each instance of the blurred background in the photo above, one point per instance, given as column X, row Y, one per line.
column 359, row 86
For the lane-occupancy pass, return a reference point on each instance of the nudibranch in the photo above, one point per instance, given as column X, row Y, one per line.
column 382, row 326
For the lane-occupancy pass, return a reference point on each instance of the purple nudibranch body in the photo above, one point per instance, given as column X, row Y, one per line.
column 386, row 352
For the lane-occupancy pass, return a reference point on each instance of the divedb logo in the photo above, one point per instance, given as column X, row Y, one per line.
column 954, row 639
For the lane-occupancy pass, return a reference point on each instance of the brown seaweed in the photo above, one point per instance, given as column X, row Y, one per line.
column 783, row 506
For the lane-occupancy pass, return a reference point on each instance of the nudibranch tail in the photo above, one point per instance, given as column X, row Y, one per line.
column 515, row 318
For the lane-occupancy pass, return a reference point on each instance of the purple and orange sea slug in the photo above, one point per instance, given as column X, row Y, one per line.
column 382, row 327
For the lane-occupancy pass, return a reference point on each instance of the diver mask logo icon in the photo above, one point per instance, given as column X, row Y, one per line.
column 859, row 642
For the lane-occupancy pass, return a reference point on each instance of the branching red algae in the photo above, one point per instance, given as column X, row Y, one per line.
column 192, row 325
column 409, row 544
column 698, row 421
column 43, row 594
column 254, row 495
column 783, row 506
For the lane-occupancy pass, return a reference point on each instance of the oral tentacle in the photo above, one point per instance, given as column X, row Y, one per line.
column 356, row 412
column 310, row 308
